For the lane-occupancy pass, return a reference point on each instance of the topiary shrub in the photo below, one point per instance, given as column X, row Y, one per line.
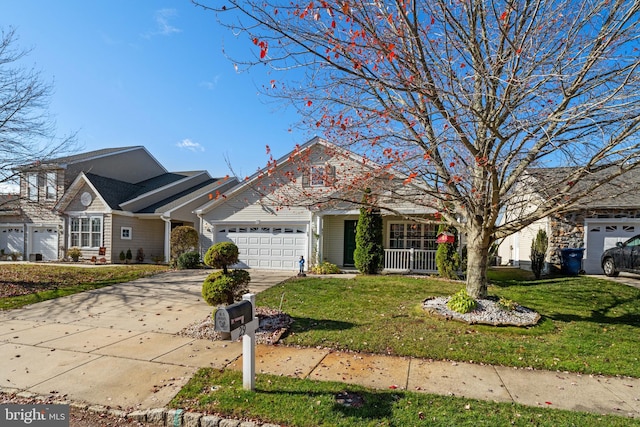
column 183, row 239
column 221, row 255
column 122, row 256
column 129, row 255
column 369, row 254
column 461, row 302
column 225, row 288
column 188, row 261
column 325, row 268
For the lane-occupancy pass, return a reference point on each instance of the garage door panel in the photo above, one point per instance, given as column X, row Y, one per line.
column 602, row 236
column 265, row 247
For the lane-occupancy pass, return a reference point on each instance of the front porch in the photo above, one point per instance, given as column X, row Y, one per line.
column 410, row 260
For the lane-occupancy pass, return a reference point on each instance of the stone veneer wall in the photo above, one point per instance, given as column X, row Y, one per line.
column 567, row 229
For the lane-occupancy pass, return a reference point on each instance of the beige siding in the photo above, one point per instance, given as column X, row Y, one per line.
column 96, row 205
column 147, row 234
column 516, row 248
column 333, row 238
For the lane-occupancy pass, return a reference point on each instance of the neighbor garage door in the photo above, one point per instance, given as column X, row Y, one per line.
column 44, row 241
column 602, row 236
column 12, row 239
column 273, row 247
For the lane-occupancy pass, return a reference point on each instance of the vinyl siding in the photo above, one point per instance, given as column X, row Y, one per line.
column 147, row 234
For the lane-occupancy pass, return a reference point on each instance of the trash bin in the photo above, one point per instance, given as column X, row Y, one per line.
column 571, row 260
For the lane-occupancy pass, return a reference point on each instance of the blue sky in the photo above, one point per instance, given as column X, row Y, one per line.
column 153, row 73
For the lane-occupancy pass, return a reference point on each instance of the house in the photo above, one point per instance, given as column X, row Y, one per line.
column 607, row 215
column 291, row 209
column 104, row 202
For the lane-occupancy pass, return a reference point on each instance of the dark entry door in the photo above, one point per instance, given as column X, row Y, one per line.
column 349, row 241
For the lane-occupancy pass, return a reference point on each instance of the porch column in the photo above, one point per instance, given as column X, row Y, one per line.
column 318, row 242
column 167, row 238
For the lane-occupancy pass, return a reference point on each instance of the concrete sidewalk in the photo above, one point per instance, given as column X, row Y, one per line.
column 117, row 347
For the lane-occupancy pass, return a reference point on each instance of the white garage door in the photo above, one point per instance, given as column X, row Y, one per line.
column 45, row 241
column 12, row 239
column 272, row 247
column 602, row 236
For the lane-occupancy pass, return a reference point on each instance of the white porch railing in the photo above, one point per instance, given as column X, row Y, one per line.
column 418, row 260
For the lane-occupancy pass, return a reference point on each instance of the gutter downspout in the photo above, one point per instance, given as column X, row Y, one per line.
column 167, row 237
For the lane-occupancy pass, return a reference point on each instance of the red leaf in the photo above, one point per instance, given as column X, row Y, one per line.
column 503, row 16
column 548, row 403
column 268, row 149
column 393, row 387
column 309, row 103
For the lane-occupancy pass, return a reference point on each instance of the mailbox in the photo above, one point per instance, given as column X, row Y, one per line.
column 232, row 317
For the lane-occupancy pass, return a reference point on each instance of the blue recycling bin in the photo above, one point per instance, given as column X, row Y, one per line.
column 571, row 261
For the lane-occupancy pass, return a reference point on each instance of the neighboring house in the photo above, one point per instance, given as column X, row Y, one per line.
column 103, row 202
column 606, row 216
column 275, row 220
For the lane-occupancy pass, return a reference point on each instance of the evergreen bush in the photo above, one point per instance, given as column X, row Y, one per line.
column 539, row 247
column 222, row 255
column 447, row 258
column 188, row 261
column 369, row 254
column 225, row 288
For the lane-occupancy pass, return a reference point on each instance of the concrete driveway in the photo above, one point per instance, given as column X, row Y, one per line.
column 115, row 346
column 624, row 278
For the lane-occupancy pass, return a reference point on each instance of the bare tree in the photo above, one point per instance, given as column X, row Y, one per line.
column 26, row 129
column 463, row 98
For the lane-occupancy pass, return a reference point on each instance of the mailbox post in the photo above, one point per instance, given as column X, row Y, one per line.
column 240, row 319
column 249, row 348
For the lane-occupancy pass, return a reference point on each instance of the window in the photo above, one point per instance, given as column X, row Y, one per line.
column 86, row 232
column 320, row 176
column 411, row 235
column 32, row 186
column 50, row 189
column 125, row 233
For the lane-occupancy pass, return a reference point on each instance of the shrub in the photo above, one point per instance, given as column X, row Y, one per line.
column 188, row 261
column 122, row 256
column 183, row 239
column 225, row 288
column 369, row 254
column 461, row 302
column 447, row 258
column 506, row 304
column 74, row 253
column 129, row 255
column 538, row 252
column 221, row 255
column 325, row 268
column 140, row 255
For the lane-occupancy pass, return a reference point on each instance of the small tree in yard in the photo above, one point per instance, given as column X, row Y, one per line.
column 539, row 247
column 224, row 287
column 451, row 105
column 369, row 253
column 183, row 239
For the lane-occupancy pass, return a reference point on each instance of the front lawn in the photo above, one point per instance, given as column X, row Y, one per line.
column 23, row 284
column 306, row 403
column 588, row 325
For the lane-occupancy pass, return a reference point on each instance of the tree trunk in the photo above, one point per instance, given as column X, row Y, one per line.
column 477, row 260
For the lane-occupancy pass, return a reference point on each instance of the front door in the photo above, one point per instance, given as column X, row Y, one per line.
column 349, row 241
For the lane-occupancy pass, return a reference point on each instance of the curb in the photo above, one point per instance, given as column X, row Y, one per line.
column 158, row 416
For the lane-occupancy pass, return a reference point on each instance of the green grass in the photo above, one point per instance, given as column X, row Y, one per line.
column 295, row 402
column 24, row 284
column 588, row 325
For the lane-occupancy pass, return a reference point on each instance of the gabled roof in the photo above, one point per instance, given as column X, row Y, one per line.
column 63, row 161
column 281, row 162
column 622, row 192
column 169, row 202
